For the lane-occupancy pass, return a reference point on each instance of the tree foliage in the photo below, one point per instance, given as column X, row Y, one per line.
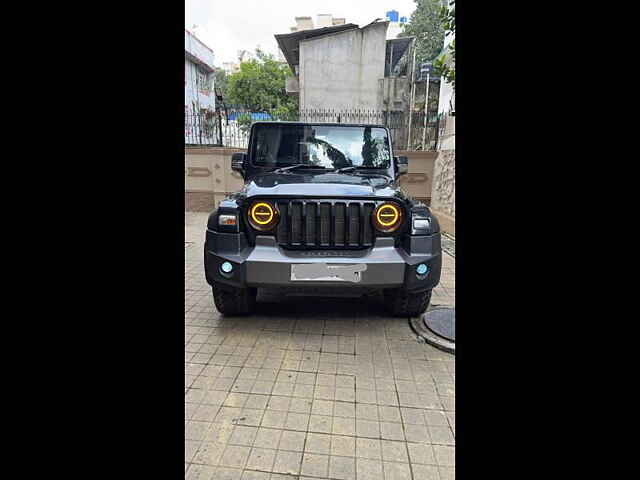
column 426, row 25
column 445, row 64
column 259, row 86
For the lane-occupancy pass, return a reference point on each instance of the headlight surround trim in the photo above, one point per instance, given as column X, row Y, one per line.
column 262, row 216
column 387, row 217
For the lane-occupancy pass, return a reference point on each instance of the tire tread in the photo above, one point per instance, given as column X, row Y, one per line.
column 234, row 301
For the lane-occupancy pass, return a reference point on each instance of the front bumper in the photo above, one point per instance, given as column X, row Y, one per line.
column 268, row 265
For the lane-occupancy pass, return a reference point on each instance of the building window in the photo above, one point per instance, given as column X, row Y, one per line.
column 202, row 80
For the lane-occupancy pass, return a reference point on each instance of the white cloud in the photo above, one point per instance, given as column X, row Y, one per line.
column 227, row 26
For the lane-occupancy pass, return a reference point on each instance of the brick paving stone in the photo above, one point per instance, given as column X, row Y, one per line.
column 369, row 469
column 425, row 472
column 312, row 387
column 261, row 459
column 417, row 433
column 397, row 471
column 391, row 431
column 447, row 473
column 243, row 435
column 252, row 475
column 320, row 423
column 318, row 443
column 342, row 468
column 394, row 451
column 292, row 441
column 287, row 462
column 267, row 437
column 445, row 455
column 367, row 428
column 226, row 473
column 368, row 448
column 235, row 456
column 343, row 446
column 200, row 472
column 344, row 426
column 209, row 453
column 315, row 465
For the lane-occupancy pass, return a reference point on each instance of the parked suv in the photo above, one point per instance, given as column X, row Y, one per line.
column 321, row 207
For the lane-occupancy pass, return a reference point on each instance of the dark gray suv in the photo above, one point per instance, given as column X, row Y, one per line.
column 320, row 209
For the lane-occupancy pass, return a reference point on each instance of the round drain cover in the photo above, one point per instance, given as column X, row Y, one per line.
column 442, row 322
column 437, row 327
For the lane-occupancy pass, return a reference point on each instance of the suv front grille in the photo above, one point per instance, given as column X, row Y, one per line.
column 325, row 224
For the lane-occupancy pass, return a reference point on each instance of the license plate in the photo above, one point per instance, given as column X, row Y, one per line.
column 321, row 272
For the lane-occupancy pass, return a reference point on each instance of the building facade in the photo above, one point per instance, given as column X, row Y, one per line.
column 345, row 67
column 198, row 75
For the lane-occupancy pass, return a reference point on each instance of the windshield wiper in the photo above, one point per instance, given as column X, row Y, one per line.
column 345, row 169
column 298, row 165
column 351, row 168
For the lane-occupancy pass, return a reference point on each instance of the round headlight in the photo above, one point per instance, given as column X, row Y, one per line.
column 387, row 217
column 263, row 216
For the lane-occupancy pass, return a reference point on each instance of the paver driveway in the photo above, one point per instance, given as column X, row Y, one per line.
column 310, row 387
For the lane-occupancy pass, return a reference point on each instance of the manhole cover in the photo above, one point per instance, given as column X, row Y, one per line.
column 442, row 322
column 437, row 327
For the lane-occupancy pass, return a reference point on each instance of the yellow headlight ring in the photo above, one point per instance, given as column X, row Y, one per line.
column 387, row 217
column 254, row 215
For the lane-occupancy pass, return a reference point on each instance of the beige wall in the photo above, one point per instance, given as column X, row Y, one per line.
column 208, row 177
column 418, row 182
column 443, row 200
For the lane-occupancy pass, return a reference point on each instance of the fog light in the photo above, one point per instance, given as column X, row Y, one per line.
column 421, row 269
column 226, row 267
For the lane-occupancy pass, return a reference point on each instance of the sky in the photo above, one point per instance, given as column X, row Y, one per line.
column 227, row 26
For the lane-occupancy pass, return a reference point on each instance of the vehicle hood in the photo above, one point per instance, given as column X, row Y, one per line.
column 320, row 185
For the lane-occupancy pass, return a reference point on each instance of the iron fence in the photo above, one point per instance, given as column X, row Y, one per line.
column 230, row 128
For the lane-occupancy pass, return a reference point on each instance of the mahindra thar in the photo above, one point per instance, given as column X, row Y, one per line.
column 321, row 207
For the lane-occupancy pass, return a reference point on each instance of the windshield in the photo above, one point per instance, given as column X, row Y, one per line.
column 327, row 146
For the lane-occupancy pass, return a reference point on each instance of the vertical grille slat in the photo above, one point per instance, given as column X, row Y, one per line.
column 325, row 224
column 332, row 225
column 338, row 237
column 310, row 228
column 296, row 223
column 368, row 228
column 303, row 223
column 283, row 226
column 354, row 224
column 312, row 224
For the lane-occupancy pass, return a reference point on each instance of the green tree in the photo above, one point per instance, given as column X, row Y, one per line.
column 260, row 86
column 426, row 25
column 445, row 64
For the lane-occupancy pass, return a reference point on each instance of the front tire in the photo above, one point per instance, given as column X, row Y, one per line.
column 407, row 304
column 234, row 301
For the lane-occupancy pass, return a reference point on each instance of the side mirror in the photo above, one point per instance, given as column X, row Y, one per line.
column 238, row 162
column 402, row 165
